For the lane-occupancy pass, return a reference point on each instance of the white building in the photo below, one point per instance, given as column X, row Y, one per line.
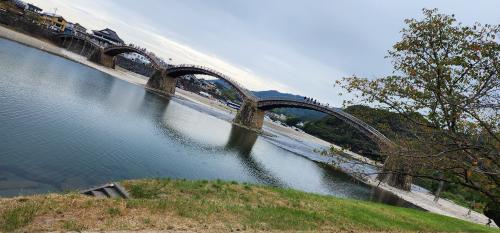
column 137, row 58
column 204, row 94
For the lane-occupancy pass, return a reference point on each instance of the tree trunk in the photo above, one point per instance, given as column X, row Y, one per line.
column 440, row 188
column 492, row 211
column 395, row 173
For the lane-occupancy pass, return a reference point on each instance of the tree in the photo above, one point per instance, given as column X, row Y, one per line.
column 449, row 74
column 292, row 121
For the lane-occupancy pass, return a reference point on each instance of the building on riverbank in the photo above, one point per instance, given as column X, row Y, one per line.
column 76, row 29
column 136, row 57
column 54, row 22
column 12, row 7
column 107, row 37
column 33, row 9
column 20, row 7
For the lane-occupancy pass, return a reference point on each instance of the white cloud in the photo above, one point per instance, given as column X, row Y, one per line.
column 300, row 47
column 91, row 15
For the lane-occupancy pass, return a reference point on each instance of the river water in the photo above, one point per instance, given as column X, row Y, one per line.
column 66, row 126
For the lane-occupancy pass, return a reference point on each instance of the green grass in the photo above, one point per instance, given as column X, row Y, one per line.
column 113, row 211
column 72, row 225
column 268, row 208
column 18, row 216
column 217, row 206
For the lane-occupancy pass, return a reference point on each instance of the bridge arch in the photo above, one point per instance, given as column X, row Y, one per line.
column 67, row 40
column 114, row 51
column 169, row 75
column 249, row 116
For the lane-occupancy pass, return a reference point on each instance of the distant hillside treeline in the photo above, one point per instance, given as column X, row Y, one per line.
column 336, row 131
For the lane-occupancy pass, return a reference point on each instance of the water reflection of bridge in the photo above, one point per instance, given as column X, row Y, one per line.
column 251, row 114
column 240, row 141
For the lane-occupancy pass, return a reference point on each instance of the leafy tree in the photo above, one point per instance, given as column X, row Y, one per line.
column 230, row 94
column 449, row 73
column 292, row 121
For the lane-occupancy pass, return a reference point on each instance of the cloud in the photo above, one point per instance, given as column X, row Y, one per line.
column 294, row 46
column 97, row 17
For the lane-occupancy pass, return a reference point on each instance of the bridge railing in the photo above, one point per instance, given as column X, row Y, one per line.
column 363, row 124
column 337, row 111
column 87, row 38
column 155, row 60
column 298, row 99
column 235, row 83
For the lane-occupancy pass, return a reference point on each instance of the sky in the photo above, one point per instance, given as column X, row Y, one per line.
column 300, row 47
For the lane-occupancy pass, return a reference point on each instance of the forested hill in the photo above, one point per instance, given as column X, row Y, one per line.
column 273, row 93
column 336, row 131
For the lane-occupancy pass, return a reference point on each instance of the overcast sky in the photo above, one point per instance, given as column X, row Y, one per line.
column 299, row 47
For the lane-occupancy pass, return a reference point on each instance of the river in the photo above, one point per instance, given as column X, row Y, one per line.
column 66, row 126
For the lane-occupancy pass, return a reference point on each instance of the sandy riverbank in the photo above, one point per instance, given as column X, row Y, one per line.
column 417, row 197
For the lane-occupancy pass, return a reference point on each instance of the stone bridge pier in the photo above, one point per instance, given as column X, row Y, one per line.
column 101, row 58
column 163, row 83
column 249, row 115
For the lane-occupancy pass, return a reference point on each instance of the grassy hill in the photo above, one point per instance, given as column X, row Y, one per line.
column 216, row 206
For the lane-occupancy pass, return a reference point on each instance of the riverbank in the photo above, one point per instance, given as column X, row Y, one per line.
column 139, row 80
column 216, row 206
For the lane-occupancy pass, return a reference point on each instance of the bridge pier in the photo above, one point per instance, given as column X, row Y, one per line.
column 101, row 58
column 250, row 116
column 106, row 60
column 163, row 83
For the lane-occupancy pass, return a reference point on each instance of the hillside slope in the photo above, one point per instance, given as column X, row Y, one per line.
column 216, row 206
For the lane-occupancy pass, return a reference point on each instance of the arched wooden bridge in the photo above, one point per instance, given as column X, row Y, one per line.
column 105, row 55
column 117, row 50
column 252, row 111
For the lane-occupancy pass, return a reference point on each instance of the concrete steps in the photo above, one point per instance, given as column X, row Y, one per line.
column 111, row 190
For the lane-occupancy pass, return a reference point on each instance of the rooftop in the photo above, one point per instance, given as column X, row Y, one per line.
column 109, row 34
column 33, row 8
column 52, row 15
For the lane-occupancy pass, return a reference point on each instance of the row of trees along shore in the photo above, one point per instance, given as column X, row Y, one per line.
column 446, row 85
